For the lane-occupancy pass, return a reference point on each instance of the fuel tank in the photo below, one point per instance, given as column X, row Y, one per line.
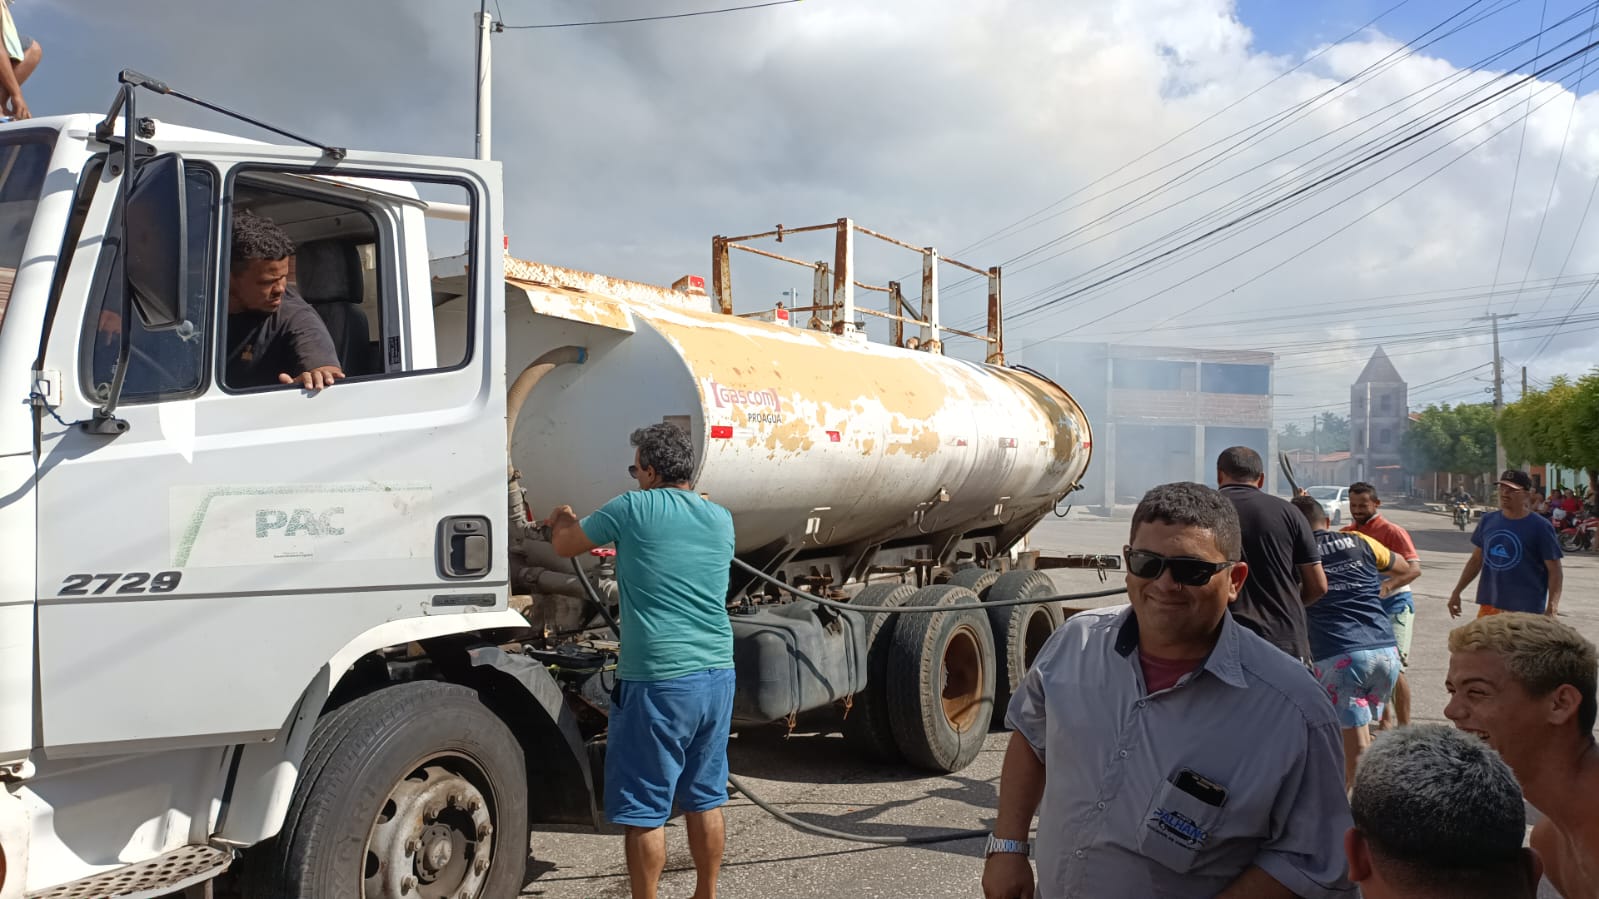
column 809, row 438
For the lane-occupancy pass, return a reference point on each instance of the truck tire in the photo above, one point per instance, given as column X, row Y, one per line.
column 1019, row 631
column 866, row 726
column 413, row 792
column 977, row 580
column 941, row 681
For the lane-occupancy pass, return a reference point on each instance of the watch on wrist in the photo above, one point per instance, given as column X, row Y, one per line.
column 1017, row 847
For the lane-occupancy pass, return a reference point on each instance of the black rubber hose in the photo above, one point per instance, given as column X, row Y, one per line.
column 594, row 597
column 907, row 610
column 819, row 830
column 779, row 814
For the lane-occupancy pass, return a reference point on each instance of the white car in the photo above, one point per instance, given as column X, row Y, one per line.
column 1334, row 500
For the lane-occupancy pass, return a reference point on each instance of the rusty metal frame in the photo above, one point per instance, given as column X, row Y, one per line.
column 834, row 286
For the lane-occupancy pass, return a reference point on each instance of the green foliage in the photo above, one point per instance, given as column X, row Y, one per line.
column 1555, row 425
column 1453, row 439
column 1331, row 434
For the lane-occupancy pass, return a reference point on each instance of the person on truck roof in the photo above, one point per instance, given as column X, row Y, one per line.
column 274, row 336
column 16, row 64
column 672, row 708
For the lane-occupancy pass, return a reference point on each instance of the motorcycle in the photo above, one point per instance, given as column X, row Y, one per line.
column 1577, row 534
column 1462, row 514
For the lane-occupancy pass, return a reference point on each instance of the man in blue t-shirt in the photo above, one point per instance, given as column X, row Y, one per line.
column 1517, row 553
column 673, row 704
column 1352, row 641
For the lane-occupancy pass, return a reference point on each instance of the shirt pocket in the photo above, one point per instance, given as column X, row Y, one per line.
column 1177, row 828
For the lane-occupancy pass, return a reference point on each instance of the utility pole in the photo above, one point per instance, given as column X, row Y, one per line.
column 484, row 77
column 1499, row 385
column 1524, row 382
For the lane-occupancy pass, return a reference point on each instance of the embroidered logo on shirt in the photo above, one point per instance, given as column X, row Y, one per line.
column 1179, row 828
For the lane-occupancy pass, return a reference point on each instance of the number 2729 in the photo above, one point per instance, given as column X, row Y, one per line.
column 131, row 582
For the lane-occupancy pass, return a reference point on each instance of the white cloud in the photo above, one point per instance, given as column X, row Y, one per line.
column 626, row 147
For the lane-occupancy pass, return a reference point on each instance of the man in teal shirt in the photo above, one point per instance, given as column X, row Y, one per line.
column 673, row 704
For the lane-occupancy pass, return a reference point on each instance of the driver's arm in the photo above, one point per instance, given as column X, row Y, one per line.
column 313, row 347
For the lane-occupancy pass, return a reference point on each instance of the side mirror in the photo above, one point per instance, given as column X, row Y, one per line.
column 157, row 261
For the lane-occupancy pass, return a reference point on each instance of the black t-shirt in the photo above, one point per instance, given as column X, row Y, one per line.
column 1277, row 540
column 289, row 341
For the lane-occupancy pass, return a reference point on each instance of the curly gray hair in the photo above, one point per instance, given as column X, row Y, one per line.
column 665, row 448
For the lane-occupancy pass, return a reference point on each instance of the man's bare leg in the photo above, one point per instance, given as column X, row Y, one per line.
column 706, row 840
column 1356, row 739
column 645, row 848
column 1401, row 703
column 30, row 61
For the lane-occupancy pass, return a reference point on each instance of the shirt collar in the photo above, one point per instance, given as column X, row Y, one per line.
column 1224, row 660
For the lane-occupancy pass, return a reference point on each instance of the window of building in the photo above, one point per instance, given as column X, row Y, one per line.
column 1219, row 377
column 1386, row 404
column 1152, row 374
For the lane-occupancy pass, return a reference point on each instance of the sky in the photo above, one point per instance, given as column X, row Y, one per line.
column 1309, row 178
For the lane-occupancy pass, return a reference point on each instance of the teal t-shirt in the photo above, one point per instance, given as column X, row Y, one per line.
column 673, row 552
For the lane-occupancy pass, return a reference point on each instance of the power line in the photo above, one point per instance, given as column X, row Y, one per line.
column 681, row 15
column 1515, row 173
column 1242, row 202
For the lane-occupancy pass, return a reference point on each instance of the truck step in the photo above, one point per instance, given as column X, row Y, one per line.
column 176, row 870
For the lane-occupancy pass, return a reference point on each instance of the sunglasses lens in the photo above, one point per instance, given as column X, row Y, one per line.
column 1191, row 572
column 1142, row 564
column 632, row 471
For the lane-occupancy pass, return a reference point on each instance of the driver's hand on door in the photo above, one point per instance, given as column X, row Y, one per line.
column 315, row 379
column 109, row 326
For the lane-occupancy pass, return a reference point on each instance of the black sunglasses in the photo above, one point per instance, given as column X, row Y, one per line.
column 1184, row 570
column 632, row 471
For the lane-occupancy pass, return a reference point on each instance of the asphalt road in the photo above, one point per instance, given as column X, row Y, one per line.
column 812, row 774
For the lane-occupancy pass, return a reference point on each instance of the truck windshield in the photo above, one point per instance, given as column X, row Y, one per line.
column 24, row 160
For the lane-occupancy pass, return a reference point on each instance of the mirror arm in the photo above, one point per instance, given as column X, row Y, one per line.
column 105, row 422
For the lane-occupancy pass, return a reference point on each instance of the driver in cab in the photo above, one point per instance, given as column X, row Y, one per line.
column 274, row 336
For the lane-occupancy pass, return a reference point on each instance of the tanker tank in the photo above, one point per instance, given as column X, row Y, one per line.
column 811, row 439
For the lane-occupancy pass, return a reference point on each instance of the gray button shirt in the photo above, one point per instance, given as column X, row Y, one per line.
column 1175, row 794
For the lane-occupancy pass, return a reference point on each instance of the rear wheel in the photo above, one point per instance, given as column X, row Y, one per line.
column 1569, row 541
column 1019, row 631
column 941, row 680
column 866, row 726
column 416, row 791
column 977, row 580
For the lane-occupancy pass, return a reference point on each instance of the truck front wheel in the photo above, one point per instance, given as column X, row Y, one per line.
column 416, row 791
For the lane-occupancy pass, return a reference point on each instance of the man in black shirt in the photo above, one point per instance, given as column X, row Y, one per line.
column 1285, row 573
column 274, row 336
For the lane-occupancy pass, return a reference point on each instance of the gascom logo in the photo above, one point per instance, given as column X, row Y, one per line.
column 734, row 396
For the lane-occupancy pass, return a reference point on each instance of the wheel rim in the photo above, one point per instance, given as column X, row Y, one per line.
column 962, row 691
column 434, row 837
column 1039, row 627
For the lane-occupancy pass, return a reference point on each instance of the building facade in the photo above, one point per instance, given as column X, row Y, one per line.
column 1379, row 412
column 1161, row 414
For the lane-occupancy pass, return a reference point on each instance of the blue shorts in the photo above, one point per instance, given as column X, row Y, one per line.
column 1359, row 683
column 668, row 741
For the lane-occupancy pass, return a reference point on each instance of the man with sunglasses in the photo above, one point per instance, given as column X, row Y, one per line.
column 1285, row 573
column 1166, row 750
column 673, row 704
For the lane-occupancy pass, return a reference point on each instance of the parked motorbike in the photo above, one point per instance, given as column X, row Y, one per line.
column 1577, row 533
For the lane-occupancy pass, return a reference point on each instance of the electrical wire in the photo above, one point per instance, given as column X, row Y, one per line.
column 683, row 15
column 1515, row 172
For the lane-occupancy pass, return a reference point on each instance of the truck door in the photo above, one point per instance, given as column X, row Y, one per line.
column 197, row 570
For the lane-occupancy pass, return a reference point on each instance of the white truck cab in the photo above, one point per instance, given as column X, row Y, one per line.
column 313, row 643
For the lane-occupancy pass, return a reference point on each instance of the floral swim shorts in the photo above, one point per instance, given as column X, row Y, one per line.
column 1359, row 682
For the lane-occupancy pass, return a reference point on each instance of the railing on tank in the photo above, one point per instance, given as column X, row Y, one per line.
column 833, row 306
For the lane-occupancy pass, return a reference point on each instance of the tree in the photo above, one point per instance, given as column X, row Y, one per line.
column 1331, row 434
column 1556, row 426
column 1451, row 439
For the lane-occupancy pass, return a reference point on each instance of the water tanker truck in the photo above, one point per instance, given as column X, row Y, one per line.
column 317, row 644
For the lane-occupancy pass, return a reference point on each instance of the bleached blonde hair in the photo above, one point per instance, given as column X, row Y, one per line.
column 1540, row 652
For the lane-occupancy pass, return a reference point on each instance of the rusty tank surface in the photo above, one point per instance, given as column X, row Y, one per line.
column 811, row 438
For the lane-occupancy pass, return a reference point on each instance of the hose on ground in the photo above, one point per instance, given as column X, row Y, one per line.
column 819, row 830
column 902, row 610
column 779, row 814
